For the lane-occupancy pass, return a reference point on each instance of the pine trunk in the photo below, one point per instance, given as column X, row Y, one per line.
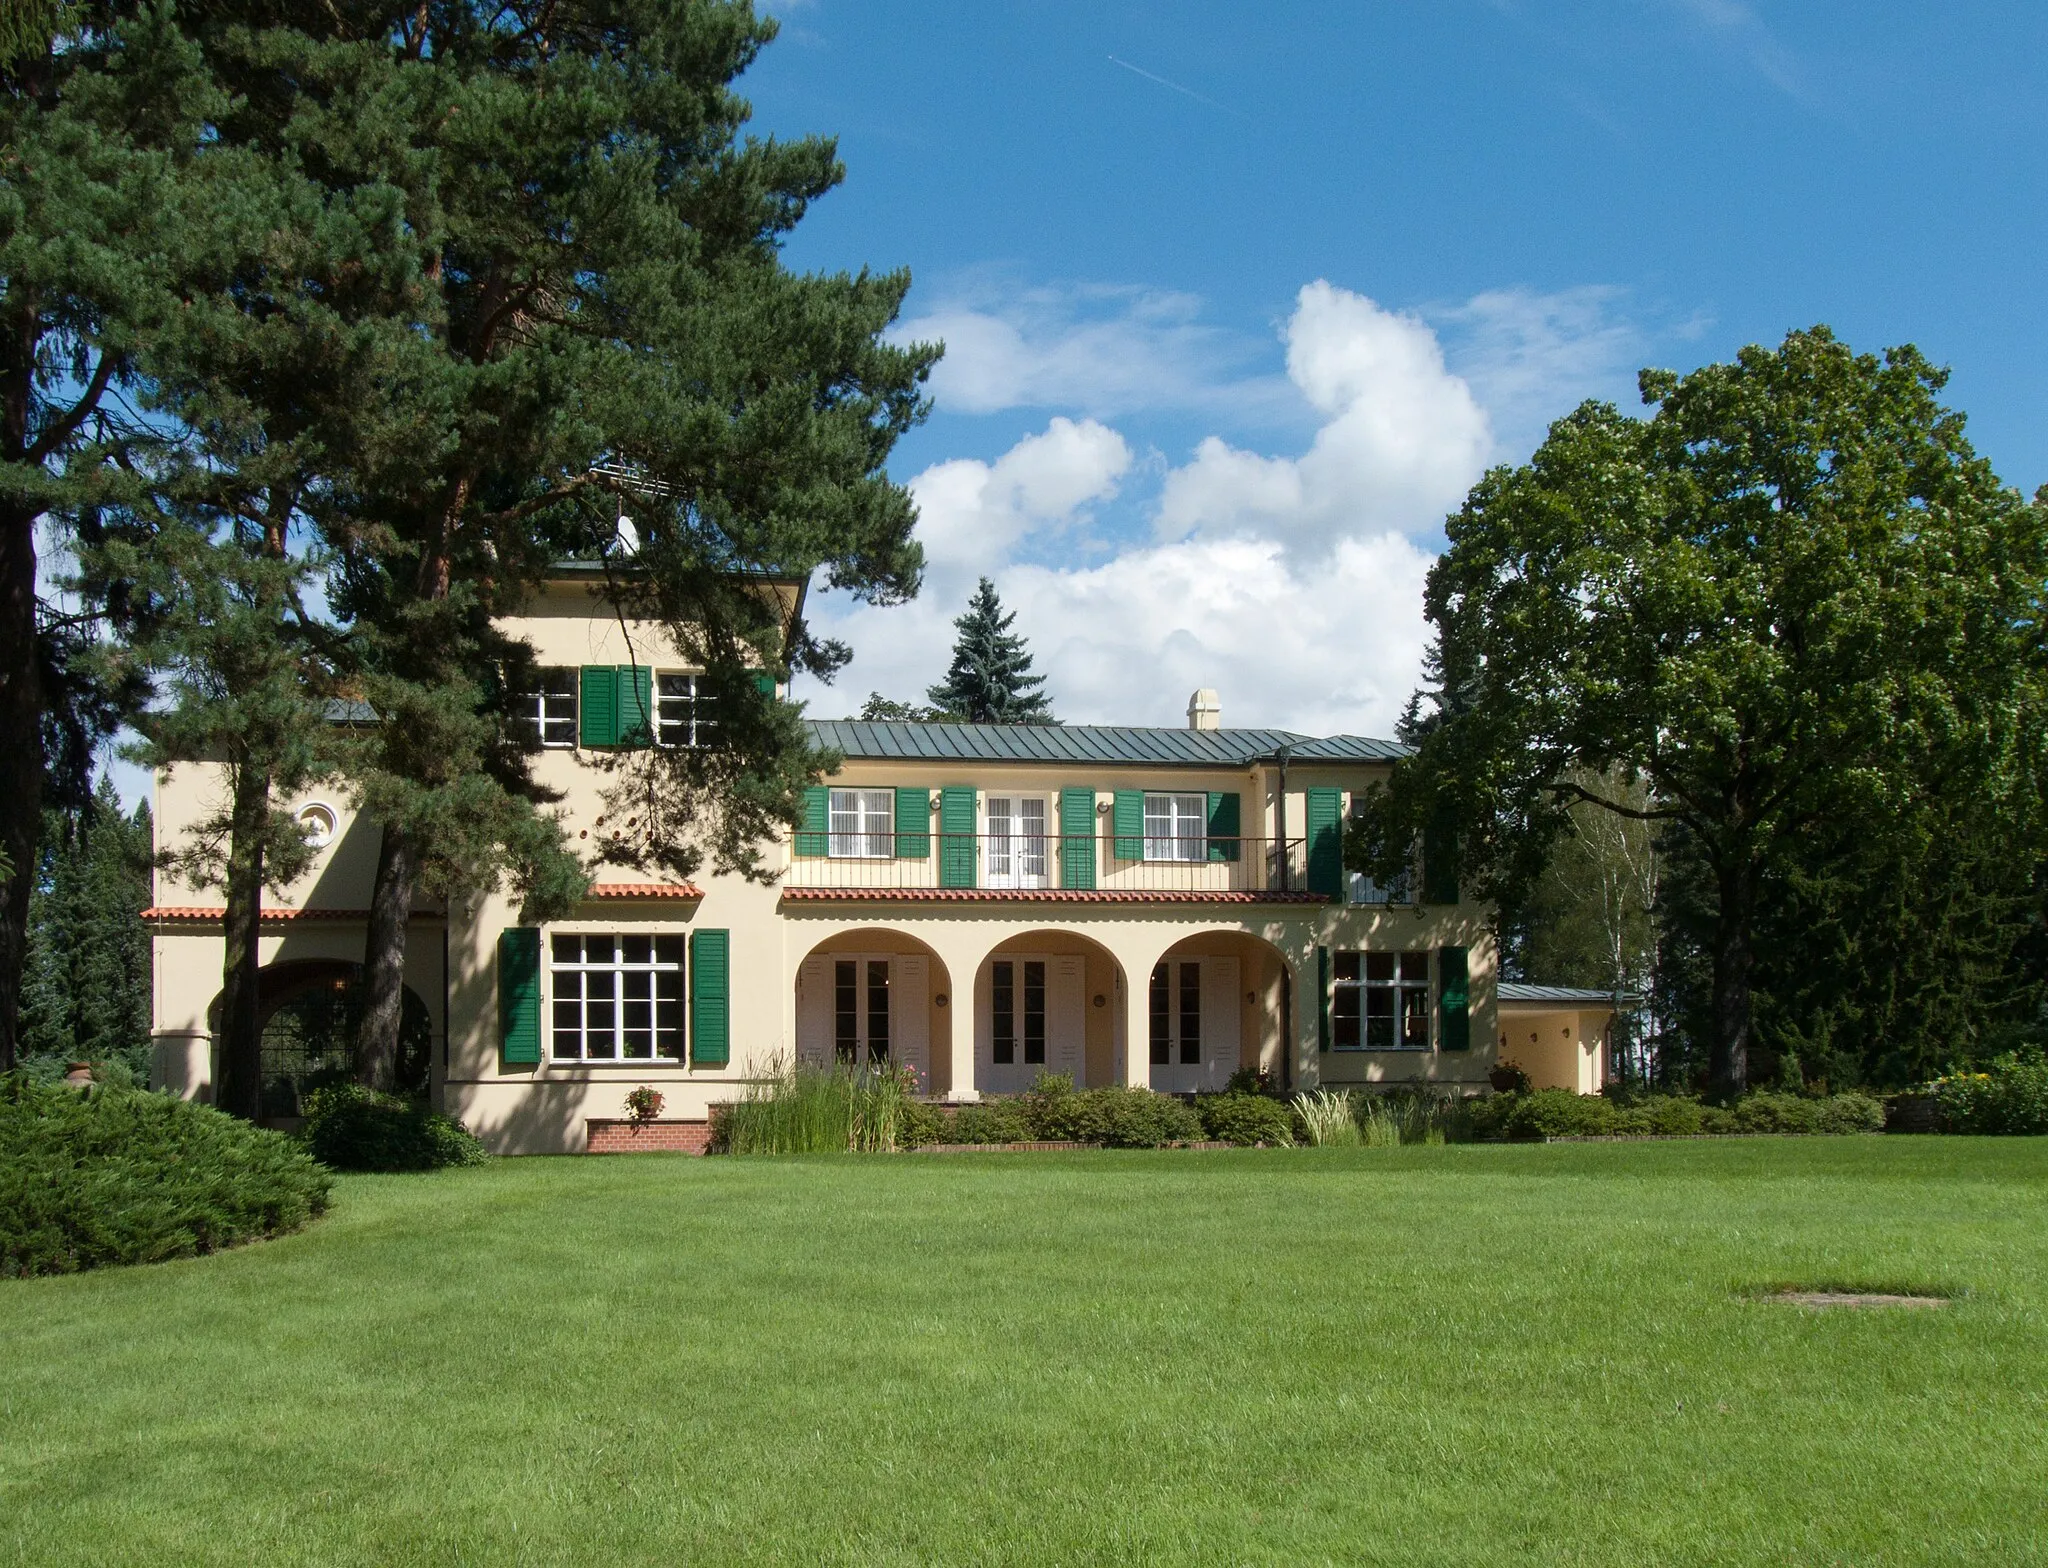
column 1728, row 1062
column 384, row 960
column 238, row 1081
column 21, row 758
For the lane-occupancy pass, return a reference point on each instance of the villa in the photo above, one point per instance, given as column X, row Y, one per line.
column 981, row 903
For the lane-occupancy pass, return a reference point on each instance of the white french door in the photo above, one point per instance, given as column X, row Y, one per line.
column 863, row 1008
column 1194, row 1024
column 1014, row 851
column 1030, row 1020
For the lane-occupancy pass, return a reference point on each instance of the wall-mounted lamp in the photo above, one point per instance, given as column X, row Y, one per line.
column 940, row 999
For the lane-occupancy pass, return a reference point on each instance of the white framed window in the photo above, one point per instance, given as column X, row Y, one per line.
column 863, row 824
column 616, row 998
column 1177, row 1013
column 1379, row 1001
column 1176, row 827
column 1015, row 847
column 682, row 715
column 550, row 709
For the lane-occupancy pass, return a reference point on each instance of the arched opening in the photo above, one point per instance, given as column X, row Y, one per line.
column 876, row 995
column 309, row 1010
column 1217, row 1003
column 1047, row 1001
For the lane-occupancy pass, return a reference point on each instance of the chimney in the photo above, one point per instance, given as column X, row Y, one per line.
column 1204, row 711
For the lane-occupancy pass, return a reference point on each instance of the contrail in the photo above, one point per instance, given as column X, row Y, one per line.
column 1176, row 86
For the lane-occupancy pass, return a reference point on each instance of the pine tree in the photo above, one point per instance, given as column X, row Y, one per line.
column 108, row 189
column 86, row 991
column 990, row 679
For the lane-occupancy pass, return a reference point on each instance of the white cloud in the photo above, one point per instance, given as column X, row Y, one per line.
column 1402, row 442
column 1099, row 350
column 1292, row 583
column 972, row 515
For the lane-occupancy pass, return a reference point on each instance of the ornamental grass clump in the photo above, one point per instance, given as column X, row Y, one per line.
column 1327, row 1118
column 802, row 1109
column 105, row 1175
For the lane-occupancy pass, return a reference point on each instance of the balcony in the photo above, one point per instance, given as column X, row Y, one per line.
column 990, row 868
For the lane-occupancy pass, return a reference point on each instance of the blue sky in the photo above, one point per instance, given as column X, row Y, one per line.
column 1239, row 299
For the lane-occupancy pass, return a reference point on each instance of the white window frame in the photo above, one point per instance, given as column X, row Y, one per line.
column 1176, row 827
column 1395, row 986
column 861, row 824
column 617, row 987
column 1020, row 855
column 871, row 980
column 680, row 718
column 552, row 713
column 1012, row 1027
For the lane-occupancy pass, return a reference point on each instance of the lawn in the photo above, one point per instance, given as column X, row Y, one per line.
column 1422, row 1355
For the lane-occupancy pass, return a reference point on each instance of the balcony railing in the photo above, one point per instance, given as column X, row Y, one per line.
column 986, row 863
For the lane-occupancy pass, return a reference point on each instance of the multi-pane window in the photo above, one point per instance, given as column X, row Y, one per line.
column 1380, row 1001
column 550, row 709
column 860, row 1009
column 682, row 711
column 1176, row 827
column 1362, row 889
column 1016, row 841
column 1177, row 1013
column 1018, row 1011
column 617, row 998
column 863, row 825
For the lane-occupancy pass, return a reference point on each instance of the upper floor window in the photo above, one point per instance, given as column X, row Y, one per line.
column 682, row 715
column 863, row 825
column 1362, row 889
column 550, row 709
column 1380, row 1001
column 1176, row 827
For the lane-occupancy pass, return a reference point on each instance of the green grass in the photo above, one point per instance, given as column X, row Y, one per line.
column 1412, row 1355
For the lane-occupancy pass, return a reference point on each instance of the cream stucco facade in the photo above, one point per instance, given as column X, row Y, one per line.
column 1091, row 960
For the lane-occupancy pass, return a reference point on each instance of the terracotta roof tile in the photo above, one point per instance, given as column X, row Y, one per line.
column 1047, row 895
column 614, row 890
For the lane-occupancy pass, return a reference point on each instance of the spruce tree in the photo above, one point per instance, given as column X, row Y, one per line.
column 86, row 993
column 990, row 679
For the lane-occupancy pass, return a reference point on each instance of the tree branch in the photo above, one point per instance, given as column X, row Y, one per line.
column 55, row 435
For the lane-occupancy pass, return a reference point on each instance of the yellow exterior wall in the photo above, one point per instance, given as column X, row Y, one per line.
column 1559, row 1045
column 521, row 1109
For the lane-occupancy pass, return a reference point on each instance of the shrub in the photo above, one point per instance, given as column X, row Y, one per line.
column 921, row 1125
column 1051, row 1107
column 111, row 1175
column 990, row 1121
column 1766, row 1111
column 2011, row 1098
column 1120, row 1116
column 1326, row 1118
column 350, row 1128
column 1557, row 1113
column 1245, row 1119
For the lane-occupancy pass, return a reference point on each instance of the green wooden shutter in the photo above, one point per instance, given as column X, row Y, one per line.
column 710, row 998
column 815, row 836
column 1127, row 822
column 956, row 835
column 636, row 705
column 913, row 824
column 1223, row 828
column 764, row 683
column 1326, row 841
column 1322, row 999
column 519, row 996
column 1454, row 1000
column 1440, row 861
column 1077, row 838
column 600, row 706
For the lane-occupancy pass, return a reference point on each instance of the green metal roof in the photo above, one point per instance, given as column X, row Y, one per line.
column 1111, row 744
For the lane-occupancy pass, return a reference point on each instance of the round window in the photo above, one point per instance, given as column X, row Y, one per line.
column 316, row 821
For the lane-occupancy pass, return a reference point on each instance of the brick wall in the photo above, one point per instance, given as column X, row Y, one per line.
column 607, row 1136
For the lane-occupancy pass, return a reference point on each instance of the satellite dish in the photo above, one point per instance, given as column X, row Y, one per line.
column 629, row 536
